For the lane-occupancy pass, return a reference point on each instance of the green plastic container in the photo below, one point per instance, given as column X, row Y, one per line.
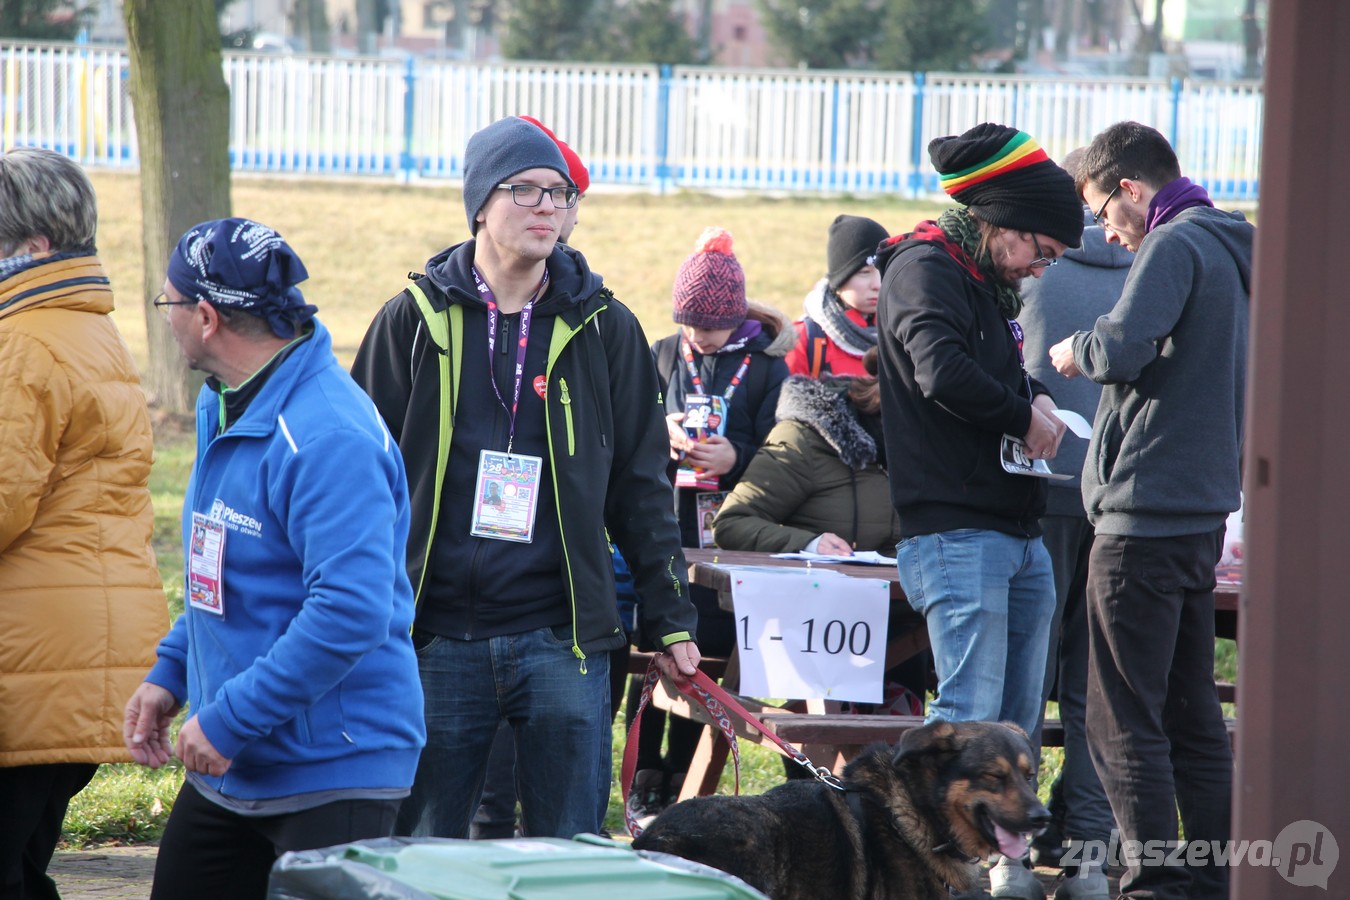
column 522, row 869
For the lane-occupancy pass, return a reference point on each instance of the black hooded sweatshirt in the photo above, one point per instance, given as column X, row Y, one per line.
column 952, row 384
column 601, row 433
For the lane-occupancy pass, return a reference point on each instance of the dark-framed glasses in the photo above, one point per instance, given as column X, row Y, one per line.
column 531, row 195
column 162, row 303
column 1041, row 261
column 1100, row 215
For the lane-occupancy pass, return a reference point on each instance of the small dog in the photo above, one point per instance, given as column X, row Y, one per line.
column 911, row 822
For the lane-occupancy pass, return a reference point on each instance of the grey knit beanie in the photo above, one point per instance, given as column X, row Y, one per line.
column 505, row 148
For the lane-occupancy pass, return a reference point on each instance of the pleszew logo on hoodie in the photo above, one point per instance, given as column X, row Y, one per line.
column 236, row 521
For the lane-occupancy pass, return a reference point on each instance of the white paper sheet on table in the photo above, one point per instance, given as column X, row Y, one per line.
column 865, row 557
column 806, row 634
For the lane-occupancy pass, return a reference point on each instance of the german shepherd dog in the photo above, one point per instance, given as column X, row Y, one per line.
column 910, row 823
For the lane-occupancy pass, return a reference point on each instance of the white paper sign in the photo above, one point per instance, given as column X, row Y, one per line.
column 807, row 634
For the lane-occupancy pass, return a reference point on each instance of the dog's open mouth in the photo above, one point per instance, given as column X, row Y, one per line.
column 1009, row 843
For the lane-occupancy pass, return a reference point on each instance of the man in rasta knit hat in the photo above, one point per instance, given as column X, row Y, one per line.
column 970, row 559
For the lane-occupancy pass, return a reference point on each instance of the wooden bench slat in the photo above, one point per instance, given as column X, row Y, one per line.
column 855, row 730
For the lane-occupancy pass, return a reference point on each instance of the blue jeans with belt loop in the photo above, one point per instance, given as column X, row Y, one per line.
column 988, row 598
column 559, row 716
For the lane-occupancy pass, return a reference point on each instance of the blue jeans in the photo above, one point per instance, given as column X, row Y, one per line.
column 560, row 718
column 988, row 598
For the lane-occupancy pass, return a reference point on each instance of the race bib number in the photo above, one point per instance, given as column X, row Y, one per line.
column 206, row 560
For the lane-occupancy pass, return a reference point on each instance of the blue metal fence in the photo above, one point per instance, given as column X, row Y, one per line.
column 663, row 128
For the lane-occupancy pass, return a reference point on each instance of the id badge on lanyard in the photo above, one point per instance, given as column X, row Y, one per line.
column 205, row 566
column 506, row 496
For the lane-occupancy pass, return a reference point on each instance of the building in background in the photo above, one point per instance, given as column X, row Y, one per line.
column 1220, row 39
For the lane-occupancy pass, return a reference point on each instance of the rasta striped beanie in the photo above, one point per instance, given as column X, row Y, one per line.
column 1005, row 177
column 710, row 286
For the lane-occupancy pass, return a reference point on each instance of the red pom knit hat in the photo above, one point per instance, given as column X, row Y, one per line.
column 710, row 286
column 576, row 169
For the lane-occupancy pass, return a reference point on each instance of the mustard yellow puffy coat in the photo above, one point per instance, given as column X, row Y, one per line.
column 81, row 605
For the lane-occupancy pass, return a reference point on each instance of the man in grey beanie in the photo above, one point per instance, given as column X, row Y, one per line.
column 507, row 370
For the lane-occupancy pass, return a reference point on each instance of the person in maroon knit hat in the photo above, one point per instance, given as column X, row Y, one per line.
column 720, row 375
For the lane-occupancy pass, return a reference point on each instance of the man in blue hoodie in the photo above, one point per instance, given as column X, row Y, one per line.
column 292, row 653
column 1161, row 477
column 509, row 361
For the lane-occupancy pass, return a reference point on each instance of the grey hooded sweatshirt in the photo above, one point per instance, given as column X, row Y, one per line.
column 1165, row 453
column 1082, row 288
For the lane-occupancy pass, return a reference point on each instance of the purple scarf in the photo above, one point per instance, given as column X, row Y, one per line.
column 1172, row 199
column 748, row 331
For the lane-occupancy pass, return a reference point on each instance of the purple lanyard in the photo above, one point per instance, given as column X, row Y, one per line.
column 526, row 313
column 1019, row 338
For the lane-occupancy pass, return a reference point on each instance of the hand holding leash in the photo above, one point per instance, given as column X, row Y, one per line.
column 679, row 662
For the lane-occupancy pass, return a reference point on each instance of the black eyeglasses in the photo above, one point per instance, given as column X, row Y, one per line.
column 531, row 195
column 1100, row 215
column 1041, row 261
column 162, row 303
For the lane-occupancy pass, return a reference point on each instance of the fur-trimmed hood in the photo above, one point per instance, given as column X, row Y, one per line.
column 823, row 406
column 776, row 325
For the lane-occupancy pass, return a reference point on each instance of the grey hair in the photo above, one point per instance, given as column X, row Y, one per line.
column 42, row 193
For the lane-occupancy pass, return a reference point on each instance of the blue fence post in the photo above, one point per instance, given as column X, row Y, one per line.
column 916, row 150
column 663, row 176
column 1176, row 112
column 834, row 137
column 406, row 165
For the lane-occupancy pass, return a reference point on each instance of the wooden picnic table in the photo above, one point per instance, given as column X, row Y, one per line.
column 716, row 569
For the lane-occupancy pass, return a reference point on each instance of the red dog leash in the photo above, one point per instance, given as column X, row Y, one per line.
column 720, row 706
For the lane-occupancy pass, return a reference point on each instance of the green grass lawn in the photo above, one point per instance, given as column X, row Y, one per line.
column 359, row 239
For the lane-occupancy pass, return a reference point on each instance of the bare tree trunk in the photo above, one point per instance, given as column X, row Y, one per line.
column 1066, row 29
column 367, row 28
column 309, row 20
column 1251, row 39
column 1150, row 37
column 182, row 110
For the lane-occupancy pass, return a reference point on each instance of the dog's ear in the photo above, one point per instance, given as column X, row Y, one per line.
column 936, row 739
column 1016, row 729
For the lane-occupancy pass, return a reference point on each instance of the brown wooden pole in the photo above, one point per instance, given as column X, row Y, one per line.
column 1294, row 650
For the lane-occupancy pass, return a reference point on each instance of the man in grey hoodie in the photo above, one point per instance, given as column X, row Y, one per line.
column 1161, row 476
column 1082, row 287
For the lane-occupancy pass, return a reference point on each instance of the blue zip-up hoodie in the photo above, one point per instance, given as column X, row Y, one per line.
column 307, row 681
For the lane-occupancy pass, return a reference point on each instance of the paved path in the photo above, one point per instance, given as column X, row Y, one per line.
column 125, row 873
column 108, row 873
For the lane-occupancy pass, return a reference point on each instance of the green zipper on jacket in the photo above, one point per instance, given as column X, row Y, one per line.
column 562, row 336
column 567, row 412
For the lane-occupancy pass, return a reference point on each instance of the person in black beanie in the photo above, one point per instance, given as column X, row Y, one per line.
column 953, row 390
column 840, row 321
